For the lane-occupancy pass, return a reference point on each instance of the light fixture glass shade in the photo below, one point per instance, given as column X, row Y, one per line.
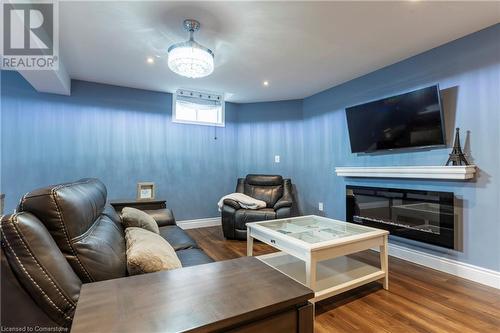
column 190, row 59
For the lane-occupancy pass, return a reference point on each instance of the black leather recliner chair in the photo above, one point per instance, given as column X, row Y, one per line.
column 273, row 189
column 61, row 237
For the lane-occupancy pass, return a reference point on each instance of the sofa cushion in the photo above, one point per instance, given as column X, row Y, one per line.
column 148, row 252
column 193, row 257
column 244, row 216
column 163, row 216
column 177, row 237
column 87, row 231
column 132, row 217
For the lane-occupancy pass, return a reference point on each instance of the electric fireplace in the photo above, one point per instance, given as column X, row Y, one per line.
column 425, row 216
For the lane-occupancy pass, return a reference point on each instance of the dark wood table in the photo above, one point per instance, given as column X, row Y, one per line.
column 239, row 295
column 119, row 204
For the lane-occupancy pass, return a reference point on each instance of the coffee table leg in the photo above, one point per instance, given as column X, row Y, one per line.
column 249, row 244
column 384, row 262
column 311, row 273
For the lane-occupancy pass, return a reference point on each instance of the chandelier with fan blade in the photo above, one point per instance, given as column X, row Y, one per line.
column 189, row 58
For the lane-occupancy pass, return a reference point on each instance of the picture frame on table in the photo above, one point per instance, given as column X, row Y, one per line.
column 145, row 191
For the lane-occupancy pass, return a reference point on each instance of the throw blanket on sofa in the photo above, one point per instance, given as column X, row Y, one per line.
column 243, row 200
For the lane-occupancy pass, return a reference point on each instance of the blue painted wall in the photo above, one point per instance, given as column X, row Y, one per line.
column 119, row 135
column 268, row 129
column 468, row 72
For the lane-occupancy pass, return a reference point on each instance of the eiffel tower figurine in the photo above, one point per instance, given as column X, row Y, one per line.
column 457, row 156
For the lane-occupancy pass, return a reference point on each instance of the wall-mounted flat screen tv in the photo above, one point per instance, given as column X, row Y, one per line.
column 410, row 120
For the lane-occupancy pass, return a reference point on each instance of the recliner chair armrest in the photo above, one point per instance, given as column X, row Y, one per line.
column 286, row 201
column 283, row 212
column 162, row 216
column 227, row 217
column 232, row 203
column 283, row 202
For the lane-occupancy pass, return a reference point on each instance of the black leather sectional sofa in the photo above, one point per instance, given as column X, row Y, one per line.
column 61, row 237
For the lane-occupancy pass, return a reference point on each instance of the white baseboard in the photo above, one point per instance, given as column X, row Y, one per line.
column 467, row 271
column 199, row 223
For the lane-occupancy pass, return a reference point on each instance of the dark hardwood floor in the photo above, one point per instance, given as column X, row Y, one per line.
column 419, row 299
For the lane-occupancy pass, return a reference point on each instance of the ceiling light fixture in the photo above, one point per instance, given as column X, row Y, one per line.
column 266, row 83
column 150, row 60
column 190, row 59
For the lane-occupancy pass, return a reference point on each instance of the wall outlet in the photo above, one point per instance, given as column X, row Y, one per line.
column 320, row 206
column 276, row 158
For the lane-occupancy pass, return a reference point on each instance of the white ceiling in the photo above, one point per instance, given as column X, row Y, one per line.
column 300, row 47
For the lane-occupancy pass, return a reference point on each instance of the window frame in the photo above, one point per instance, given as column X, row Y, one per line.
column 195, row 122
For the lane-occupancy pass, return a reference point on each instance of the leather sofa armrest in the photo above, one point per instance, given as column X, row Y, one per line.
column 232, row 203
column 40, row 267
column 162, row 217
column 282, row 203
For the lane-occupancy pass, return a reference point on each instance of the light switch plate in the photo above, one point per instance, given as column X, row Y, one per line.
column 276, row 158
column 320, row 206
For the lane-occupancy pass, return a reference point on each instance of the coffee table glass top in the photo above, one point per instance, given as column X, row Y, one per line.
column 314, row 229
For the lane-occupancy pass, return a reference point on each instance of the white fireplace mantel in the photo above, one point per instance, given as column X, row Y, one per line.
column 456, row 172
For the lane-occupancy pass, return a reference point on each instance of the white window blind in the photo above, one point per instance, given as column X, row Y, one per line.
column 194, row 107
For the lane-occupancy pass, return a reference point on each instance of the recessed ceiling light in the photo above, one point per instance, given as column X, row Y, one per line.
column 150, row 60
column 266, row 83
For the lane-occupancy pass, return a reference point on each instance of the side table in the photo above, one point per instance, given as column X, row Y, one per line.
column 119, row 204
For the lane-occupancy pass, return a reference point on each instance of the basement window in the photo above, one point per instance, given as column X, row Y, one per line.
column 200, row 108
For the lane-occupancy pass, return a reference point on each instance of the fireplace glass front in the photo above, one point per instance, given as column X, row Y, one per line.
column 426, row 216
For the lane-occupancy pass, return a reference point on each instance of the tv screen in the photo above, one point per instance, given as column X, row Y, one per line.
column 408, row 120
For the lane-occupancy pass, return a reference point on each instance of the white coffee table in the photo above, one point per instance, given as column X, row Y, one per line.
column 314, row 252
